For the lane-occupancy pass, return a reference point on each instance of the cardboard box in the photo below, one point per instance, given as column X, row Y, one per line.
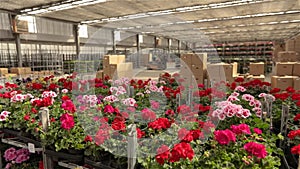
column 284, row 68
column 296, row 84
column 17, row 70
column 220, row 72
column 186, row 58
column 200, row 60
column 290, row 45
column 197, row 70
column 125, row 70
column 296, row 69
column 3, row 71
column 257, row 68
column 230, row 70
column 10, row 75
column 282, row 82
column 197, row 80
column 260, row 77
column 113, row 59
column 288, row 56
column 27, row 70
column 99, row 74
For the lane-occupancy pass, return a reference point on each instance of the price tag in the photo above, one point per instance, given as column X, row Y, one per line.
column 31, row 148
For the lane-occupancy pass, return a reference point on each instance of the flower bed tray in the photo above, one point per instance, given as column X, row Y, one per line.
column 22, row 136
column 97, row 165
column 78, row 158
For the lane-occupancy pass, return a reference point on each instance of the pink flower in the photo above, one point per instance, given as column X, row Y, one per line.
column 256, row 149
column 67, row 121
column 10, row 154
column 170, row 112
column 129, row 102
column 154, row 105
column 109, row 109
column 248, row 97
column 241, row 129
column 224, row 137
column 240, row 88
column 262, row 95
column 257, row 131
column 68, row 106
column 147, row 114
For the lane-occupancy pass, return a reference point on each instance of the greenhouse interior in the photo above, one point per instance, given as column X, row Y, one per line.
column 158, row 84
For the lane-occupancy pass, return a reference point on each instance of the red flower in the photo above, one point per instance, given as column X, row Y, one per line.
column 241, row 129
column 185, row 135
column 163, row 154
column 160, row 123
column 67, row 121
column 147, row 114
column 275, row 90
column 281, row 96
column 181, row 150
column 294, row 134
column 296, row 96
column 118, row 124
column 88, row 138
column 65, row 98
column 298, row 103
column 290, row 89
column 26, row 117
column 197, row 134
column 239, row 80
column 68, row 106
column 140, row 133
column 297, row 117
column 53, row 86
column 41, row 165
column 224, row 137
column 37, row 86
column 201, row 86
column 256, row 149
column 296, row 149
column 34, row 111
column 109, row 109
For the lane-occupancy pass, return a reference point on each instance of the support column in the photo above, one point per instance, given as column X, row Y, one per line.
column 179, row 46
column 76, row 39
column 138, row 48
column 18, row 47
column 114, row 45
column 169, row 48
column 155, row 44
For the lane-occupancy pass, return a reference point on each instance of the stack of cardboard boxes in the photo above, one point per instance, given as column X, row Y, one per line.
column 287, row 74
column 222, row 72
column 114, row 66
column 256, row 71
column 193, row 67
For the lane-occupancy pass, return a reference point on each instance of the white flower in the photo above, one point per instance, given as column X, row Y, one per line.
column 64, row 90
column 111, row 98
column 240, row 88
column 129, row 102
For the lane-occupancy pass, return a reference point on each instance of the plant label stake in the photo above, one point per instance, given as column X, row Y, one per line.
column 132, row 146
column 189, row 97
column 44, row 116
column 284, row 123
column 178, row 101
column 269, row 102
column 131, row 91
